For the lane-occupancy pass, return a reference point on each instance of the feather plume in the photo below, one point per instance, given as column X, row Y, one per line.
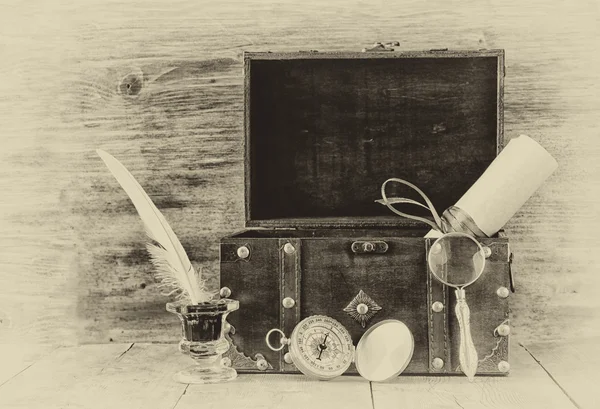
column 173, row 267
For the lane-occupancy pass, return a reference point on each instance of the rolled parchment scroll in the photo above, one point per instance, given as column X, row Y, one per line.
column 510, row 180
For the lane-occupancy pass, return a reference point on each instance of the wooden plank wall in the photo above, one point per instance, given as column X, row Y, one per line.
column 159, row 85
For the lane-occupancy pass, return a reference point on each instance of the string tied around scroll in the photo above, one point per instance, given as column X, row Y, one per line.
column 453, row 219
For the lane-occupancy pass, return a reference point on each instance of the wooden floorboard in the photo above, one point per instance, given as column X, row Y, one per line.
column 140, row 379
column 527, row 386
column 140, row 376
column 280, row 391
column 61, row 379
column 574, row 367
column 14, row 359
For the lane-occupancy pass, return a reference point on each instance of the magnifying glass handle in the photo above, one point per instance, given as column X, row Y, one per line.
column 467, row 353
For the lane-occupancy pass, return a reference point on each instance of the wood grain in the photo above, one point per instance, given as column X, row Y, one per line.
column 15, row 359
column 139, row 376
column 159, row 85
column 117, row 375
column 527, row 386
column 61, row 378
column 573, row 366
column 269, row 391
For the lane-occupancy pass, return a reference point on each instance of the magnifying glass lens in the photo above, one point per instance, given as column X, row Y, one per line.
column 456, row 260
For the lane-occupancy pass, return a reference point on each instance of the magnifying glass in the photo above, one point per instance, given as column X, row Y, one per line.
column 458, row 260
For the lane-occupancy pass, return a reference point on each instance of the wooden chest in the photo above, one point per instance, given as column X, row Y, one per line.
column 323, row 131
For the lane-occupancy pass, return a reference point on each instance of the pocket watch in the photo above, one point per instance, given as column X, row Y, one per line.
column 321, row 348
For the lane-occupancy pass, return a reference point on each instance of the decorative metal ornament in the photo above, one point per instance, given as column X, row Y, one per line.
column 362, row 308
column 239, row 360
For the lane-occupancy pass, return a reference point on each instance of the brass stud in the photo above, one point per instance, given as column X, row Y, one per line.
column 362, row 309
column 502, row 292
column 289, row 248
column 262, row 364
column 437, row 363
column 437, row 306
column 503, row 366
column 225, row 292
column 243, row 252
column 487, row 252
column 288, row 302
column 504, row 330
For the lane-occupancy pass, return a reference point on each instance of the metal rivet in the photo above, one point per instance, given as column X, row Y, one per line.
column 503, row 366
column 504, row 330
column 243, row 252
column 362, row 309
column 226, row 361
column 288, row 358
column 487, row 252
column 262, row 364
column 502, row 292
column 437, row 363
column 437, row 306
column 289, row 248
column 288, row 302
column 225, row 292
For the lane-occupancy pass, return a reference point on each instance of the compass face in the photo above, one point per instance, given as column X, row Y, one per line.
column 321, row 347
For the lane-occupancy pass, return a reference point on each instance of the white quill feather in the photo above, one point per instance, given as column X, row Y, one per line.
column 174, row 269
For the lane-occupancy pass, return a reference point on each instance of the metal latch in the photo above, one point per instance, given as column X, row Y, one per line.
column 365, row 247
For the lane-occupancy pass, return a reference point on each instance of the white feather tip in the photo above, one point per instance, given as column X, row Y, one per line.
column 173, row 267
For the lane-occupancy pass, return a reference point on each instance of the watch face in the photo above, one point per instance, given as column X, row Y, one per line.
column 321, row 347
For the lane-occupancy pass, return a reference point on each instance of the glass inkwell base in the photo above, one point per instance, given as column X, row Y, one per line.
column 204, row 340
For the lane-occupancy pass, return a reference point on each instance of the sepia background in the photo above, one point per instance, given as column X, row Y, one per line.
column 159, row 85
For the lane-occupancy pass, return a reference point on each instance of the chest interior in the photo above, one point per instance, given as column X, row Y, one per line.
column 323, row 133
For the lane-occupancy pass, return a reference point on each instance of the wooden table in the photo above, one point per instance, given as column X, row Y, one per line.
column 139, row 376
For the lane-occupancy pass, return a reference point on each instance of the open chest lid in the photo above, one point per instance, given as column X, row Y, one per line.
column 323, row 131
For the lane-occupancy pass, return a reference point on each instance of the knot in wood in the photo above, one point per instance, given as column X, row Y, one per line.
column 131, row 85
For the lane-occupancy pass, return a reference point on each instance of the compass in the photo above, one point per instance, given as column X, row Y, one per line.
column 322, row 348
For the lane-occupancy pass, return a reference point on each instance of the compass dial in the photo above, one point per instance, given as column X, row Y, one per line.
column 321, row 347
